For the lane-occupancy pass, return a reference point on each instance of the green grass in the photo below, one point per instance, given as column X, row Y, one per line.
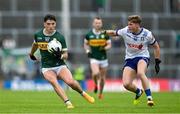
column 48, row 102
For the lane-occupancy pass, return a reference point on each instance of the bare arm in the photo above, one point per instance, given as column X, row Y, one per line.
column 111, row 32
column 86, row 46
column 34, row 48
column 108, row 46
column 64, row 55
column 156, row 50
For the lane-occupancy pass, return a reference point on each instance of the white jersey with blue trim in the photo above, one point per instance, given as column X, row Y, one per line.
column 136, row 44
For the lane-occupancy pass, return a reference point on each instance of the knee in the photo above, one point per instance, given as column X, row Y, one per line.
column 102, row 78
column 71, row 83
column 54, row 83
column 126, row 85
column 140, row 74
column 50, row 80
column 96, row 74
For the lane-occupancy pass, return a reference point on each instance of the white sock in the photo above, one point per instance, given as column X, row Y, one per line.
column 82, row 93
column 149, row 97
column 140, row 93
column 68, row 102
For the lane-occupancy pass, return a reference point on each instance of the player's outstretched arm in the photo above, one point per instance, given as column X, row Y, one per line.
column 109, row 32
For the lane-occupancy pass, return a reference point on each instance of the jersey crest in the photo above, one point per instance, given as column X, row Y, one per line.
column 47, row 39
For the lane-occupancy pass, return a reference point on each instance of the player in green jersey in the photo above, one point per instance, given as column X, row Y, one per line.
column 53, row 65
column 96, row 44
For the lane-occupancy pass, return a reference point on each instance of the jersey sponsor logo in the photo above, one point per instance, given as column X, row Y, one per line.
column 42, row 45
column 135, row 46
column 97, row 42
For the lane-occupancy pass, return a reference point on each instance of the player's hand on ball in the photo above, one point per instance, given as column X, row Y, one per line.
column 57, row 53
column 157, row 67
column 32, row 57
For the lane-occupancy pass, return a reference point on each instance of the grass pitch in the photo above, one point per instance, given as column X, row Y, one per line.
column 113, row 103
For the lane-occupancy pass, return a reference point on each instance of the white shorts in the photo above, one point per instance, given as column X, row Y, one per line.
column 55, row 69
column 101, row 63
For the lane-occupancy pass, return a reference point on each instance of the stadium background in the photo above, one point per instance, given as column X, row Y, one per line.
column 19, row 19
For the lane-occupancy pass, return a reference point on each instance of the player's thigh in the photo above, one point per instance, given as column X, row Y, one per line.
column 65, row 75
column 94, row 68
column 129, row 75
column 50, row 76
column 141, row 67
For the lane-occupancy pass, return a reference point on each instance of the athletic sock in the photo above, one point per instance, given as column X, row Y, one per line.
column 67, row 102
column 82, row 93
column 148, row 94
column 138, row 92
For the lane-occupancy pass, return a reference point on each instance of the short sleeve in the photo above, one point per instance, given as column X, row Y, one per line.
column 35, row 38
column 63, row 42
column 119, row 32
column 151, row 39
column 86, row 37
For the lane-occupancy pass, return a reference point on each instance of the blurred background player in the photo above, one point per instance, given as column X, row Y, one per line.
column 53, row 65
column 137, row 39
column 96, row 44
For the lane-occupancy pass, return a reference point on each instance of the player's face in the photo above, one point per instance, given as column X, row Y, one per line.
column 97, row 24
column 50, row 26
column 133, row 27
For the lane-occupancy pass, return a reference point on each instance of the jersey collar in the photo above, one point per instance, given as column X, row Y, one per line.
column 96, row 33
column 141, row 29
column 48, row 34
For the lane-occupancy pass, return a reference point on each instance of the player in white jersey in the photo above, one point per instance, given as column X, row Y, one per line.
column 137, row 40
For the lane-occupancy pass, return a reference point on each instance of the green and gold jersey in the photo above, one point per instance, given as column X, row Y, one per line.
column 96, row 43
column 47, row 59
